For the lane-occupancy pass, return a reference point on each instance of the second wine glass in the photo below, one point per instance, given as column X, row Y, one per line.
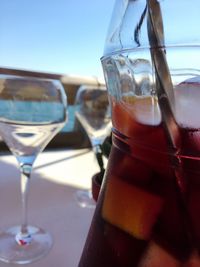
column 93, row 112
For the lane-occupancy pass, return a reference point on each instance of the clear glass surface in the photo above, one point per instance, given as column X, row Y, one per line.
column 32, row 112
column 93, row 112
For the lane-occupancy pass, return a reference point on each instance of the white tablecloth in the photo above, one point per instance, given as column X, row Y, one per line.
column 52, row 204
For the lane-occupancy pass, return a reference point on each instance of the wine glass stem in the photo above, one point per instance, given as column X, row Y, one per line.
column 98, row 154
column 25, row 183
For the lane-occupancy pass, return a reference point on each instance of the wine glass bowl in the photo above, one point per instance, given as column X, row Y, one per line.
column 26, row 103
column 32, row 112
column 93, row 113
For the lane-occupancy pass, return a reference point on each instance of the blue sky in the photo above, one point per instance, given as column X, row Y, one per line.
column 61, row 36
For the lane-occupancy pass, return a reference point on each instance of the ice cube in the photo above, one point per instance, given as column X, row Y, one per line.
column 144, row 109
column 187, row 108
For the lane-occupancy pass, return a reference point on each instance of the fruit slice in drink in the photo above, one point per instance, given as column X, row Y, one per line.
column 156, row 256
column 131, row 208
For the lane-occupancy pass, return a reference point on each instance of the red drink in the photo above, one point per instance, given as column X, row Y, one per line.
column 148, row 211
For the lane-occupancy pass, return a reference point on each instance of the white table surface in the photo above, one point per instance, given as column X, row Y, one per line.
column 52, row 204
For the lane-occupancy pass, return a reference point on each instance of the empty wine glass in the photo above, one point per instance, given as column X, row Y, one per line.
column 32, row 111
column 93, row 112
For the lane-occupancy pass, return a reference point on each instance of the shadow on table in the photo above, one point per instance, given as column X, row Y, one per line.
column 61, row 160
column 53, row 207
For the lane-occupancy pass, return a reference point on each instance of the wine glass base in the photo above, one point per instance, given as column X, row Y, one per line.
column 85, row 199
column 12, row 252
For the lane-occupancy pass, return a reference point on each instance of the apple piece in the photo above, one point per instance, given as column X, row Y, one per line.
column 156, row 256
column 131, row 208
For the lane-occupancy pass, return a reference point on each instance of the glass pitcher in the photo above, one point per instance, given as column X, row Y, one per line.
column 148, row 211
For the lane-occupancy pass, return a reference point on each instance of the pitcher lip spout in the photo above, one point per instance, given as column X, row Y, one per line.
column 128, row 26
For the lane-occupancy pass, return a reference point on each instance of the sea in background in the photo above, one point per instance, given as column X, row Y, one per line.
column 71, row 119
column 35, row 112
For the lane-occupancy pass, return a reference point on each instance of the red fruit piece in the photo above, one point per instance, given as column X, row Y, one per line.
column 133, row 170
column 172, row 230
column 194, row 206
column 124, row 249
column 194, row 260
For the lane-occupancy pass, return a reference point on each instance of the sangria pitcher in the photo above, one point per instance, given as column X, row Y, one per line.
column 148, row 210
